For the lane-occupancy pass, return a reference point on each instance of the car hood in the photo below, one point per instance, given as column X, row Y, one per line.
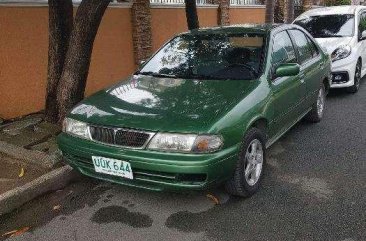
column 163, row 104
column 330, row 44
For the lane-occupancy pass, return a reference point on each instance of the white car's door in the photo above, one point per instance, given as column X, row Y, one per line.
column 361, row 27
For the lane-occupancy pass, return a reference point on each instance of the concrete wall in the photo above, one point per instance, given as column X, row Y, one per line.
column 167, row 22
column 241, row 15
column 23, row 56
column 24, row 46
column 23, row 60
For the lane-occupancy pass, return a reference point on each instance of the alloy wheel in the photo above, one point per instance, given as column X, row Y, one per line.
column 254, row 162
column 320, row 102
column 358, row 75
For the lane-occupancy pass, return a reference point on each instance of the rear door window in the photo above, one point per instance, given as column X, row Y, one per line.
column 313, row 47
column 303, row 45
column 283, row 50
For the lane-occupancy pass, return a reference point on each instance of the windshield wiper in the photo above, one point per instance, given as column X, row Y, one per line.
column 155, row 74
column 206, row 77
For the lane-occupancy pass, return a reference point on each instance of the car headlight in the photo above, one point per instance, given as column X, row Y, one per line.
column 76, row 128
column 341, row 52
column 185, row 143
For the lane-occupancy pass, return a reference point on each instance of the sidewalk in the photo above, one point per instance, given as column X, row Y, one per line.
column 31, row 163
column 14, row 173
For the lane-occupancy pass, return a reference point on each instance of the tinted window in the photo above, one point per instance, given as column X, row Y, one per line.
column 303, row 45
column 326, row 26
column 283, row 50
column 209, row 56
column 313, row 47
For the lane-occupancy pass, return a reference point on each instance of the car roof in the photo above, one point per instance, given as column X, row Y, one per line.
column 345, row 9
column 240, row 28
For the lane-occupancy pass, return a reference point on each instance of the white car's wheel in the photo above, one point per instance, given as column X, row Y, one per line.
column 356, row 85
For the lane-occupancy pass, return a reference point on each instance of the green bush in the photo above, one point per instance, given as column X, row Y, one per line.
column 337, row 2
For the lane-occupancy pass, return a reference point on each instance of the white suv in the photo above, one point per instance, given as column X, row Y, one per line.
column 341, row 31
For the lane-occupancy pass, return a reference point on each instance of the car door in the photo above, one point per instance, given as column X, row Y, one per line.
column 362, row 42
column 311, row 66
column 287, row 91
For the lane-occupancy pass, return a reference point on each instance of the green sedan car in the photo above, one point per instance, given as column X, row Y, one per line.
column 201, row 111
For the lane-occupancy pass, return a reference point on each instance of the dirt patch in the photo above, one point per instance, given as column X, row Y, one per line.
column 12, row 176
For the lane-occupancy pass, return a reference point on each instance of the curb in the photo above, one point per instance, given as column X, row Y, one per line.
column 52, row 181
column 30, row 156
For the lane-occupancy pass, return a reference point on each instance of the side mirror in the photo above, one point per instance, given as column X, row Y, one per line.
column 363, row 35
column 287, row 70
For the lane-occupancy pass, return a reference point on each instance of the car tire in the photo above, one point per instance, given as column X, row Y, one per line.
column 249, row 168
column 356, row 86
column 317, row 110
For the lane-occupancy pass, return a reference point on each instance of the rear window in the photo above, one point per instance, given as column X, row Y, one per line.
column 327, row 26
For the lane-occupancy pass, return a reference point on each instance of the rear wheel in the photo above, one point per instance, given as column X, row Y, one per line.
column 317, row 111
column 250, row 166
column 356, row 86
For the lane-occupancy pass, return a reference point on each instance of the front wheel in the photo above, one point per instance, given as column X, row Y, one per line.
column 317, row 111
column 250, row 166
column 356, row 86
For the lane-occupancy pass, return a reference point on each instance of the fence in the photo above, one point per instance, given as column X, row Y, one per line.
column 167, row 1
column 207, row 2
column 245, row 2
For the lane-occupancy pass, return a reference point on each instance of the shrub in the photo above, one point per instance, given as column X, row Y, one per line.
column 337, row 2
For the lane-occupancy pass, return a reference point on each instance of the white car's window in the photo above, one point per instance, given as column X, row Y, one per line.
column 328, row 26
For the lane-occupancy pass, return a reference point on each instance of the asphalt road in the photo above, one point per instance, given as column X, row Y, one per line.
column 314, row 189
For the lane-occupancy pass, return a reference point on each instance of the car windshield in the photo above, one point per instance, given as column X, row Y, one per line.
column 214, row 56
column 328, row 26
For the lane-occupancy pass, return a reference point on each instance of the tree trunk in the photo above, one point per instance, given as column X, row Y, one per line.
column 191, row 14
column 60, row 25
column 76, row 68
column 279, row 12
column 270, row 4
column 307, row 5
column 290, row 11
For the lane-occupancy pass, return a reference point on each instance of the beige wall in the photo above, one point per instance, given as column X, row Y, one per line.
column 112, row 58
column 240, row 15
column 24, row 46
column 167, row 22
column 23, row 58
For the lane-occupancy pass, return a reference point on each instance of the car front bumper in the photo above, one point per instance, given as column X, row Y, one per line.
column 152, row 170
column 345, row 67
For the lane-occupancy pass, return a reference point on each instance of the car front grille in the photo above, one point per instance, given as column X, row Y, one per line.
column 120, row 137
